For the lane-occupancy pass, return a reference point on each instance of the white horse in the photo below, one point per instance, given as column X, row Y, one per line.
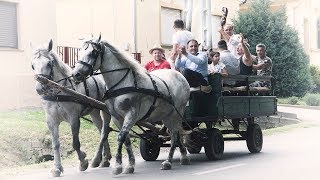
column 134, row 95
column 58, row 107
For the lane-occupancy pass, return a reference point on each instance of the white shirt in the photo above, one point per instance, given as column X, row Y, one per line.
column 215, row 68
column 232, row 64
column 182, row 37
column 233, row 43
column 197, row 63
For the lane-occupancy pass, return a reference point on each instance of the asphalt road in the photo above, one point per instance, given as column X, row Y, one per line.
column 290, row 155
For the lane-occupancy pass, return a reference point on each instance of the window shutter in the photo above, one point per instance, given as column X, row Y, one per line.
column 8, row 25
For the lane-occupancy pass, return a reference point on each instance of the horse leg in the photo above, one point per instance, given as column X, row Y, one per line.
column 103, row 126
column 54, row 129
column 75, row 126
column 105, row 133
column 167, row 164
column 184, row 159
column 124, row 138
column 118, row 166
column 130, row 167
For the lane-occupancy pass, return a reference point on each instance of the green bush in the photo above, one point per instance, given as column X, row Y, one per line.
column 293, row 100
column 312, row 99
column 315, row 75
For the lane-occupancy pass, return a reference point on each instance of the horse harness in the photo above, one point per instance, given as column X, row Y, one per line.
column 112, row 92
column 68, row 98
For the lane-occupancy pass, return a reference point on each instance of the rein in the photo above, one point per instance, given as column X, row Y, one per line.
column 67, row 98
column 112, row 92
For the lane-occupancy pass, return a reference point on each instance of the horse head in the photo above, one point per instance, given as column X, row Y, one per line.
column 42, row 64
column 90, row 59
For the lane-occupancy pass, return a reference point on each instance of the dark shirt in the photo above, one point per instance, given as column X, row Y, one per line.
column 244, row 69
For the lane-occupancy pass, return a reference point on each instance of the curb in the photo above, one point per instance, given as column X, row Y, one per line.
column 300, row 106
column 278, row 120
column 287, row 115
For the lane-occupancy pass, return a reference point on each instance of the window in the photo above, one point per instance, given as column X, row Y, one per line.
column 168, row 16
column 8, row 24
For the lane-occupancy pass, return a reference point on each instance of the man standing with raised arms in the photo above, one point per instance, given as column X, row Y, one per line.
column 179, row 38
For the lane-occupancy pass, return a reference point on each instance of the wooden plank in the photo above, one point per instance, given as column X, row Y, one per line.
column 93, row 102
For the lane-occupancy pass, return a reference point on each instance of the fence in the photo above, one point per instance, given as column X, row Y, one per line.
column 70, row 55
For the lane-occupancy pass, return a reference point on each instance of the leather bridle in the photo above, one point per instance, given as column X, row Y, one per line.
column 96, row 52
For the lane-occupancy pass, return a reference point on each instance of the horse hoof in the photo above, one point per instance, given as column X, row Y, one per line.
column 56, row 172
column 84, row 165
column 166, row 165
column 128, row 170
column 117, row 170
column 95, row 163
column 105, row 164
column 185, row 161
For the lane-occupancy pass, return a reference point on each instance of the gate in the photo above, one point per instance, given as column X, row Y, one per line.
column 68, row 55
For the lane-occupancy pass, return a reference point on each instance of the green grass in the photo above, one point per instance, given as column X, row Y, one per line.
column 310, row 99
column 24, row 136
column 286, row 101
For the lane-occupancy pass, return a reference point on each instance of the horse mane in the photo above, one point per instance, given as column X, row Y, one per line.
column 124, row 58
column 64, row 68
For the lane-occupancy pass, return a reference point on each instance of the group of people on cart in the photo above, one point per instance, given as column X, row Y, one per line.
column 231, row 57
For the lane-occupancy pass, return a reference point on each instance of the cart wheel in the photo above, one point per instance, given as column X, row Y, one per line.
column 194, row 150
column 214, row 146
column 149, row 150
column 192, row 142
column 254, row 138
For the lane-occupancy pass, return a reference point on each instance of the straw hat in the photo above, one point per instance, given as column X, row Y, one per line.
column 156, row 47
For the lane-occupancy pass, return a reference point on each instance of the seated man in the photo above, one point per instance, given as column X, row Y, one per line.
column 264, row 66
column 158, row 61
column 193, row 65
column 229, row 60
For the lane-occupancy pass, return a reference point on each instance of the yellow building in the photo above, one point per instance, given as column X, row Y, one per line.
column 132, row 25
column 22, row 23
column 135, row 25
column 304, row 16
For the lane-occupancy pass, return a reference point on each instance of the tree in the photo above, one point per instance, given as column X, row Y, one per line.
column 290, row 63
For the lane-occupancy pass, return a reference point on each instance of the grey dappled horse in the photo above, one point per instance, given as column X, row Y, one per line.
column 58, row 106
column 135, row 95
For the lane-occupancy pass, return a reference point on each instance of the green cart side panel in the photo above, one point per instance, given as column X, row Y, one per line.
column 204, row 105
column 246, row 106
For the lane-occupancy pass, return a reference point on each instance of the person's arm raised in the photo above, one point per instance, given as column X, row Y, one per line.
column 247, row 58
column 224, row 35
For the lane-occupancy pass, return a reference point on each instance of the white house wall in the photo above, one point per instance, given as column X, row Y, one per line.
column 303, row 15
column 36, row 25
column 80, row 19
